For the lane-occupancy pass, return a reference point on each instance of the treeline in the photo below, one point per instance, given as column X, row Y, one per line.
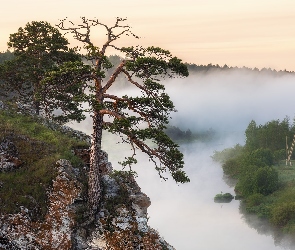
column 271, row 135
column 194, row 68
column 176, row 134
column 6, row 56
column 264, row 182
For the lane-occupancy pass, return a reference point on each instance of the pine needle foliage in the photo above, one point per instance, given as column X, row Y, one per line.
column 140, row 120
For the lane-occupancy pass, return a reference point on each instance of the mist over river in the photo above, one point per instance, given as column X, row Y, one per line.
column 186, row 215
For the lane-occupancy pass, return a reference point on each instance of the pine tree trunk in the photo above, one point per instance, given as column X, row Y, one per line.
column 94, row 171
column 94, row 189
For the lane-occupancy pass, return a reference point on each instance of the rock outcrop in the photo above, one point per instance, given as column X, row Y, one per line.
column 18, row 231
column 120, row 224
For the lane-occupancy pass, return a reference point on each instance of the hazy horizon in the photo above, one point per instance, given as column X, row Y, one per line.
column 237, row 33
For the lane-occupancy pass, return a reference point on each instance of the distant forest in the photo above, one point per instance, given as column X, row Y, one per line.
column 6, row 56
column 193, row 68
column 206, row 68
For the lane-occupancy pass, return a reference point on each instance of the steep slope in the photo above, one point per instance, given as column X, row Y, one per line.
column 43, row 193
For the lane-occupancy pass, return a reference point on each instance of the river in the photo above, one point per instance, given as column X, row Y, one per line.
column 186, row 215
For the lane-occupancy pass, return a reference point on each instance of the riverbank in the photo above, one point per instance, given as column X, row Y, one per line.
column 267, row 191
column 279, row 206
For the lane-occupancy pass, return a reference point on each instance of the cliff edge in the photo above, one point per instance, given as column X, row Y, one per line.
column 57, row 216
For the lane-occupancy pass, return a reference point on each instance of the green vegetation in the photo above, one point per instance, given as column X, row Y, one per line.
column 223, row 198
column 264, row 181
column 194, row 68
column 48, row 77
column 176, row 134
column 37, row 49
column 38, row 149
column 138, row 120
column 258, row 180
column 6, row 56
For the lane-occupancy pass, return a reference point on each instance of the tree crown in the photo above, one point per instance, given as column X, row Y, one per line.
column 139, row 120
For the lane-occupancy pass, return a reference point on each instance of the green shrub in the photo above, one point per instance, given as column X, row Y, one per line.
column 223, row 198
column 232, row 167
column 283, row 213
column 254, row 200
column 262, row 180
column 246, row 182
column 228, row 153
column 290, row 227
column 262, row 211
column 262, row 157
column 266, row 180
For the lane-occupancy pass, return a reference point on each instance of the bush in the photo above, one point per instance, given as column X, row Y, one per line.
column 223, row 198
column 254, row 200
column 283, row 213
column 266, row 180
column 260, row 157
column 232, row 167
column 263, row 181
column 262, row 210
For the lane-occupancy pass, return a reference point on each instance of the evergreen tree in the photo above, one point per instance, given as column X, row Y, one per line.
column 38, row 48
column 139, row 120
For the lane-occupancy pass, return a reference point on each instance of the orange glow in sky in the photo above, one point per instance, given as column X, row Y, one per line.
column 250, row 33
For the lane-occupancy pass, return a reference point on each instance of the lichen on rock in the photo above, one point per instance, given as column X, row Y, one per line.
column 120, row 224
column 55, row 232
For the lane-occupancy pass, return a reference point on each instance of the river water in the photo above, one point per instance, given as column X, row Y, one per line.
column 186, row 215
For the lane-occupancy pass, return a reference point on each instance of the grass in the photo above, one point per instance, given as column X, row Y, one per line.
column 39, row 148
column 286, row 173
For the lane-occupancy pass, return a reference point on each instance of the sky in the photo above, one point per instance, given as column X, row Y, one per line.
column 252, row 33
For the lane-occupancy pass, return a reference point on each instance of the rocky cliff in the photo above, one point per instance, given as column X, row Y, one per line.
column 121, row 222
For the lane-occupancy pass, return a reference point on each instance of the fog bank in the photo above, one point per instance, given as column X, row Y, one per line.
column 228, row 101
